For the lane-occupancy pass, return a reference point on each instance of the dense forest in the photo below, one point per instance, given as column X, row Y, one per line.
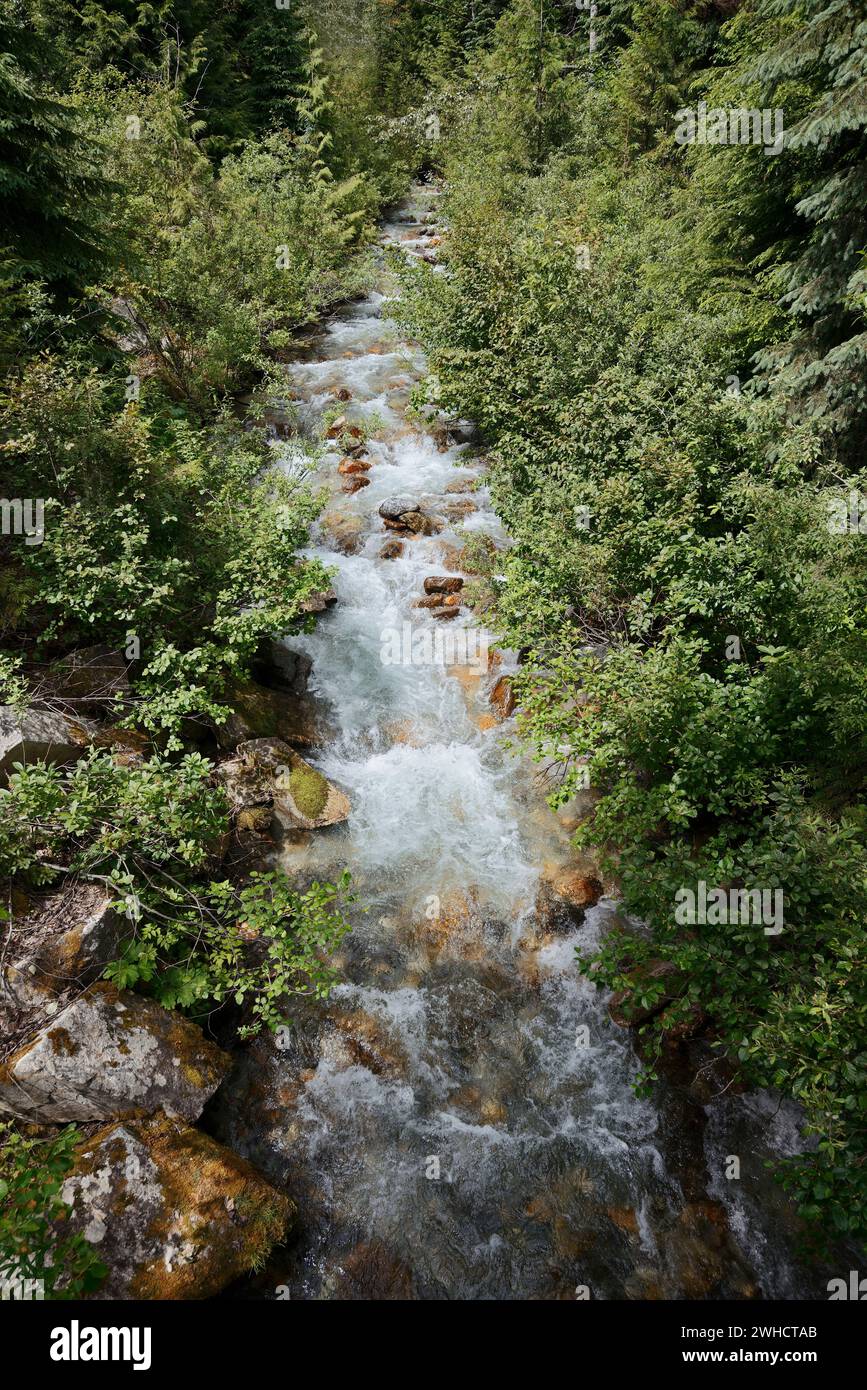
column 653, row 312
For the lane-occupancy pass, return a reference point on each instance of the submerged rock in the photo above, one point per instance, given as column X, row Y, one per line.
column 345, row 530
column 111, row 1054
column 373, row 1272
column 391, row 550
column 171, row 1213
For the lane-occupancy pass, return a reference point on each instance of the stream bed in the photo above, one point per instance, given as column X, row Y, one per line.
column 458, row 1121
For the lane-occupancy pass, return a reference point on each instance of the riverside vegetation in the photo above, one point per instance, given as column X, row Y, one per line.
column 663, row 346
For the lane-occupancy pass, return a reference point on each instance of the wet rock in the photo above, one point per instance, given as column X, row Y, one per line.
column 431, row 601
column 421, row 524
column 445, row 614
column 317, row 603
column 111, row 1054
column 624, row 1218
column 369, row 1044
column 502, row 697
column 576, row 888
column 700, row 1259
column 275, row 665
column 351, row 466
column 392, row 550
column 355, row 485
column 459, row 508
column 625, row 1006
column 394, row 508
column 464, row 432
column 40, row 736
column 680, row 1029
column 345, row 530
column 172, row 1214
column 336, row 428
column 371, row 1271
column 443, row 584
column 462, row 485
column 342, row 394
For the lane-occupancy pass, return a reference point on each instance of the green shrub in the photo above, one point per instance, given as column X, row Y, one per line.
column 33, row 1244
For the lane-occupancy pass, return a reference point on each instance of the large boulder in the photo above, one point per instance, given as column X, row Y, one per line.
column 171, row 1213
column 111, row 1054
column 31, row 736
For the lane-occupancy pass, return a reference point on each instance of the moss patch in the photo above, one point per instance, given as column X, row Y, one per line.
column 309, row 790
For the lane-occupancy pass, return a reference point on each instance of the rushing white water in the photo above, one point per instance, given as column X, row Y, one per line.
column 441, row 1121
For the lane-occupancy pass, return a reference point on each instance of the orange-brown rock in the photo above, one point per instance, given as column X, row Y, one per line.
column 502, row 697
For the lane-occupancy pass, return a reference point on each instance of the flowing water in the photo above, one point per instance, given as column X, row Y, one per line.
column 459, row 1121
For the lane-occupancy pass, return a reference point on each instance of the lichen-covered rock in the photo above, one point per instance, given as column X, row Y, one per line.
column 245, row 785
column 64, row 938
column 36, row 735
column 111, row 1054
column 172, row 1214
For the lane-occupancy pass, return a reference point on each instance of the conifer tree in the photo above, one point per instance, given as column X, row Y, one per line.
column 822, row 367
column 50, row 181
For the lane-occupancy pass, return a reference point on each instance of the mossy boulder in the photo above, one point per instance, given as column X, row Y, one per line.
column 309, row 791
column 172, row 1213
column 302, row 796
